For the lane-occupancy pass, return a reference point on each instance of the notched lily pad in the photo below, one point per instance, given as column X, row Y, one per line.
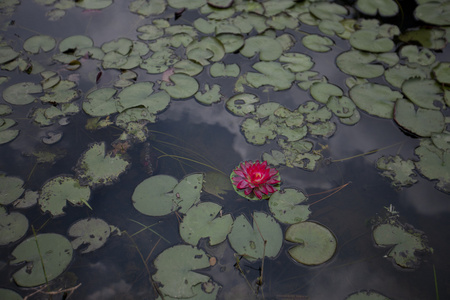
column 286, row 206
column 184, row 86
column 398, row 170
column 20, row 93
column 11, row 188
column 38, row 42
column 13, row 226
column 92, row 232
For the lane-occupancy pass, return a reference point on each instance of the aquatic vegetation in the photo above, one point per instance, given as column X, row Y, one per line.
column 255, row 179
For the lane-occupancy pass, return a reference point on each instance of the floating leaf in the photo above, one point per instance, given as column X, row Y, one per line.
column 7, row 135
column 162, row 194
column 296, row 62
column 398, row 170
column 216, row 184
column 285, row 207
column 219, row 69
column 358, row 63
column 7, row 54
column 415, row 55
column 323, row 91
column 13, row 226
column 425, row 93
column 258, row 133
column 271, row 73
column 147, row 7
column 317, row 43
column 264, row 238
column 366, row 295
column 52, row 250
column 400, row 73
column 369, row 40
column 19, row 93
column 386, row 8
column 242, row 104
column 63, row 92
column 11, row 188
column 404, row 243
column 185, row 86
column 269, row 49
column 423, row 122
column 201, row 221
column 231, row 42
column 376, row 99
column 95, row 167
column 328, row 11
column 38, row 42
column 442, row 72
column 317, row 244
column 9, row 294
column 94, row 4
column 92, row 232
column 176, row 270
column 60, row 189
column 100, row 102
column 208, row 48
column 436, row 13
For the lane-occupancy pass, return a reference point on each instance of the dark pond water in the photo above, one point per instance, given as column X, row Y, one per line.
column 189, row 137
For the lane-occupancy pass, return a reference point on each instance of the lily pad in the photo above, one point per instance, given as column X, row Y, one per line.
column 75, row 42
column 271, row 73
column 11, row 188
column 219, row 69
column 386, row 8
column 60, row 189
column 13, row 226
column 296, row 62
column 160, row 195
column 316, row 243
column 9, row 294
column 176, row 270
column 358, row 63
column 366, row 295
column 38, row 42
column 7, row 135
column 258, row 133
column 433, row 164
column 431, row 12
column 398, row 170
column 100, row 102
column 269, row 49
column 184, row 86
column 286, row 206
column 95, row 167
column 94, row 4
column 92, row 232
column 242, row 104
column 404, row 243
column 202, row 221
column 51, row 250
column 323, row 91
column 317, row 43
column 20, row 93
column 217, row 184
column 425, row 93
column 264, row 238
column 369, row 40
column 423, row 122
column 442, row 72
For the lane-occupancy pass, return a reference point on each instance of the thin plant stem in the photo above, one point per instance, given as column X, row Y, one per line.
column 192, row 160
column 335, row 191
column 40, row 255
column 148, row 227
column 367, row 153
column 435, row 283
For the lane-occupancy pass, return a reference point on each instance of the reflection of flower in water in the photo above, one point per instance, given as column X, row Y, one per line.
column 256, row 178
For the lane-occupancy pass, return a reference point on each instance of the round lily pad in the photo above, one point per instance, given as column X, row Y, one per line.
column 286, row 206
column 60, row 189
column 270, row 73
column 201, row 221
column 253, row 242
column 269, row 49
column 442, row 72
column 242, row 104
column 160, row 195
column 11, row 188
column 9, row 294
column 317, row 43
column 386, row 8
column 54, row 253
column 369, row 40
column 100, row 102
column 434, row 12
column 13, row 226
column 366, row 295
column 358, row 63
column 92, row 232
column 94, row 4
column 322, row 91
column 38, row 42
column 75, row 42
column 19, row 93
column 184, row 86
column 316, row 243
column 425, row 93
column 7, row 136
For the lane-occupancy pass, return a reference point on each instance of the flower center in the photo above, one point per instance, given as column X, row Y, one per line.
column 257, row 177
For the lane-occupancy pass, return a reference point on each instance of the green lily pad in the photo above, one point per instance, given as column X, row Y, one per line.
column 404, row 243
column 11, row 188
column 29, row 199
column 219, row 70
column 366, row 295
column 184, row 86
column 258, row 133
column 7, row 54
column 358, row 63
column 9, row 294
column 100, row 102
column 316, row 243
column 386, row 8
column 400, row 73
column 92, row 232
column 317, row 43
column 436, row 13
column 7, row 135
column 276, row 158
column 423, row 122
column 342, row 107
column 369, row 40
column 160, row 195
column 328, row 11
column 432, row 38
column 433, row 164
column 51, row 250
column 176, row 270
column 231, row 42
column 35, row 43
column 13, row 226
column 425, row 93
column 375, row 99
column 271, row 73
column 296, row 62
column 285, row 206
column 415, row 55
column 264, row 238
column 198, row 51
column 201, row 221
column 398, row 170
column 210, row 96
column 216, row 184
column 60, row 189
column 323, row 91
column 269, row 49
column 20, row 93
column 242, row 104
column 442, row 72
column 63, row 92
column 95, row 167
column 147, row 7
column 75, row 42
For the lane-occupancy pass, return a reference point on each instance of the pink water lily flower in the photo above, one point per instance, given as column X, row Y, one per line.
column 256, row 178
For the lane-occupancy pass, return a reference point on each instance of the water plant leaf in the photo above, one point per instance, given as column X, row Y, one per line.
column 366, row 295
column 432, row 38
column 11, row 188
column 285, row 207
column 92, row 232
column 433, row 164
column 269, row 49
column 316, row 243
column 264, row 238
column 63, row 92
column 9, row 294
column 231, row 41
column 35, row 43
column 386, row 8
column 54, row 252
column 94, row 4
column 342, row 107
column 210, row 96
column 217, row 184
column 425, row 93
column 20, row 93
column 147, row 7
column 404, row 243
column 13, row 226
column 176, row 270
column 100, row 102
column 423, row 122
column 296, row 62
column 328, row 11
column 323, row 91
column 317, row 43
column 184, row 86
column 242, row 104
column 369, row 40
column 219, row 69
column 7, row 54
column 358, row 63
column 442, row 72
column 417, row 56
column 258, row 133
column 7, row 135
column 160, row 195
column 398, row 170
column 75, row 42
column 202, row 221
column 208, row 48
column 95, row 167
column 436, row 13
column 271, row 73
column 400, row 73
column 375, row 99
column 55, row 192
